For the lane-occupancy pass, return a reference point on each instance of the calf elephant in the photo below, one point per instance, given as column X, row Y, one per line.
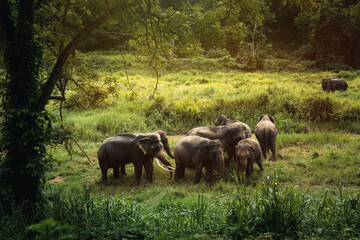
column 198, row 152
column 266, row 133
column 229, row 135
column 248, row 151
column 139, row 149
column 224, row 120
column 334, row 83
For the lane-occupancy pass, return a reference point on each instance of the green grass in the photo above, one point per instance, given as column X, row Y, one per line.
column 317, row 144
column 310, row 192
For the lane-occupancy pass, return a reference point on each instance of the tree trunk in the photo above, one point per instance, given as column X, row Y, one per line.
column 22, row 135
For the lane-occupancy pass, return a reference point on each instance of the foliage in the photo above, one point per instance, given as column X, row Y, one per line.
column 267, row 211
column 330, row 34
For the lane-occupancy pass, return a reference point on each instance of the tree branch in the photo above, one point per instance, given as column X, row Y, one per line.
column 64, row 55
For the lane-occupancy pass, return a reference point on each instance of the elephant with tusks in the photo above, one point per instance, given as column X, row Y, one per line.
column 139, row 149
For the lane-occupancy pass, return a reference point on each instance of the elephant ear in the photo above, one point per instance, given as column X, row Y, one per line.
column 261, row 117
column 202, row 147
column 252, row 148
column 234, row 134
column 271, row 118
column 144, row 144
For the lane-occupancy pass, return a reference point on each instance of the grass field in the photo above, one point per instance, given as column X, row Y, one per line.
column 310, row 192
column 318, row 144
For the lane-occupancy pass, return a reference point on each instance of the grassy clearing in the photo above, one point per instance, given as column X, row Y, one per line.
column 312, row 161
column 317, row 147
column 310, row 192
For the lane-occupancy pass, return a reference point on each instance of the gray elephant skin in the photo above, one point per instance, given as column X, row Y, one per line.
column 224, row 120
column 229, row 135
column 198, row 153
column 266, row 133
column 138, row 149
column 334, row 83
column 248, row 151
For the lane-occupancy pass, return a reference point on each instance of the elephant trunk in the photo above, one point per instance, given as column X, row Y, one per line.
column 167, row 149
column 161, row 156
column 221, row 163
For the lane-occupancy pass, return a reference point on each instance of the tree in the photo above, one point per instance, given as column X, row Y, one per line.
column 153, row 29
column 24, row 124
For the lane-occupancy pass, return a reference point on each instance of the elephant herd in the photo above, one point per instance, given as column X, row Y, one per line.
column 202, row 147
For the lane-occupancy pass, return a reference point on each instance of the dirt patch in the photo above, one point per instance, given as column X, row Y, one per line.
column 58, row 179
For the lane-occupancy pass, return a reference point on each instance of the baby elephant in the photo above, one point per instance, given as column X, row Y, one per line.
column 248, row 152
column 266, row 133
column 198, row 152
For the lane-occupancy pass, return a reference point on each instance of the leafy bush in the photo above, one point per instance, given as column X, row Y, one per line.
column 269, row 210
column 217, row 53
column 347, row 75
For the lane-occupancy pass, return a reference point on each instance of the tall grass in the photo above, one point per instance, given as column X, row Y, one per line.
column 269, row 211
column 193, row 92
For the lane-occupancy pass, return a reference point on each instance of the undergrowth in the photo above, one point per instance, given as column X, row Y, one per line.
column 268, row 211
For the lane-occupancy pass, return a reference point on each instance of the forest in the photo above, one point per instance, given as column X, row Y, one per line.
column 74, row 73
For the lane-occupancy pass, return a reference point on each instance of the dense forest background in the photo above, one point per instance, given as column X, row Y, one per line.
column 323, row 32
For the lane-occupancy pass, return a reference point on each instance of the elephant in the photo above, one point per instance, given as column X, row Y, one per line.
column 224, row 120
column 230, row 135
column 198, row 152
column 164, row 141
column 266, row 133
column 334, row 83
column 248, row 151
column 139, row 149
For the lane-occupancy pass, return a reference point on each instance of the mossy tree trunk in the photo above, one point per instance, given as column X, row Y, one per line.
column 24, row 121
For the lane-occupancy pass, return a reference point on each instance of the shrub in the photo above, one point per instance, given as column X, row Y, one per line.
column 319, row 107
column 217, row 53
column 347, row 75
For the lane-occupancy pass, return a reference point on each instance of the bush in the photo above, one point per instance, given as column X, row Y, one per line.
column 217, row 53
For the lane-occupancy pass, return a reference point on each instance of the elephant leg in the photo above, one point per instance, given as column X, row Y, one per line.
column 249, row 169
column 179, row 171
column 273, row 150
column 273, row 146
column 149, row 168
column 259, row 163
column 239, row 170
column 122, row 168
column 231, row 154
column 227, row 161
column 138, row 171
column 104, row 174
column 116, row 172
column 263, row 150
column 228, row 158
column 198, row 170
column 209, row 172
column 328, row 86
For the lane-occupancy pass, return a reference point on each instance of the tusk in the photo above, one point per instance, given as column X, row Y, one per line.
column 171, row 169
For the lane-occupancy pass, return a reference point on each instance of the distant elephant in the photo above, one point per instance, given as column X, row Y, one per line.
column 164, row 141
column 266, row 133
column 334, row 83
column 248, row 151
column 139, row 149
column 224, row 120
column 198, row 152
column 229, row 135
